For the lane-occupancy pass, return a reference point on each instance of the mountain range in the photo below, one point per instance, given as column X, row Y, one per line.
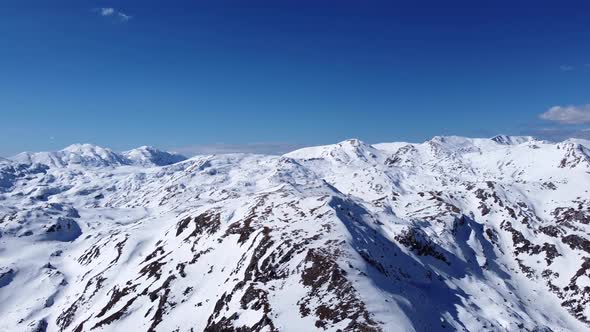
column 453, row 234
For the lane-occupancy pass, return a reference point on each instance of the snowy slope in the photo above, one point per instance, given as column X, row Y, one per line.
column 451, row 234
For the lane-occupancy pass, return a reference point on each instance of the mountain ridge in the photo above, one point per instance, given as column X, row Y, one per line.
column 449, row 234
column 500, row 139
column 93, row 155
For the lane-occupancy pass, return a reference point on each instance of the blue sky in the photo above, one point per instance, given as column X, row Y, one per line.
column 254, row 75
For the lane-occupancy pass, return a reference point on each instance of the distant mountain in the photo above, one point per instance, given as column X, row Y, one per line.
column 88, row 155
column 512, row 140
column 348, row 151
column 77, row 154
column 452, row 234
column 150, row 156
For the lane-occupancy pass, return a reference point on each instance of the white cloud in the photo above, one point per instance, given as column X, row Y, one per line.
column 107, row 11
column 566, row 68
column 114, row 13
column 568, row 114
column 123, row 17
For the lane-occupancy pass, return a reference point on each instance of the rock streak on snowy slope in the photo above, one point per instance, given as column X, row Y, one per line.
column 451, row 234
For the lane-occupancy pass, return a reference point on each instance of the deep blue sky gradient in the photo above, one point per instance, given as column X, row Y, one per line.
column 184, row 73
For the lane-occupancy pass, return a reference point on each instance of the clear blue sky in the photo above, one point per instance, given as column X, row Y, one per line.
column 178, row 74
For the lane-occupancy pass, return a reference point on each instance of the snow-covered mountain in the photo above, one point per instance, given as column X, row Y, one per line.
column 88, row 155
column 150, row 156
column 451, row 234
column 512, row 140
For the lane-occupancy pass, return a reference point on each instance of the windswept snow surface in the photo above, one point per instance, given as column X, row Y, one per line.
column 451, row 234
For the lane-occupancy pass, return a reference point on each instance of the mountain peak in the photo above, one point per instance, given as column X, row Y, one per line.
column 83, row 147
column 90, row 155
column 512, row 140
column 347, row 151
column 151, row 156
column 87, row 155
column 353, row 141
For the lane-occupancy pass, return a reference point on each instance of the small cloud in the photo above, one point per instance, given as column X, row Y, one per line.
column 123, row 17
column 113, row 13
column 221, row 148
column 571, row 115
column 107, row 11
column 566, row 68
